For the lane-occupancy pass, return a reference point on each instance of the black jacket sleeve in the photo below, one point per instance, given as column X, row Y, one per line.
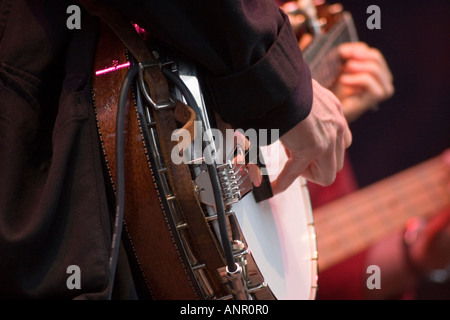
column 255, row 72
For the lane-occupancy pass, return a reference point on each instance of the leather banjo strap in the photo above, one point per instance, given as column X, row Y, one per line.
column 208, row 250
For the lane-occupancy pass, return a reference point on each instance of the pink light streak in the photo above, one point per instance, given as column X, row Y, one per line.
column 111, row 69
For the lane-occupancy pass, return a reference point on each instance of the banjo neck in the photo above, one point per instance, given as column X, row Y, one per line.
column 349, row 225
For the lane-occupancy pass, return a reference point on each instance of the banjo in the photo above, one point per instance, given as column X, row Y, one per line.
column 196, row 230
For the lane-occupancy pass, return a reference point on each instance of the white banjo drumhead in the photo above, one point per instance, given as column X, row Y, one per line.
column 280, row 235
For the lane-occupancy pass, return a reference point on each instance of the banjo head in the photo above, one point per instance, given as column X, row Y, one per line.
column 281, row 237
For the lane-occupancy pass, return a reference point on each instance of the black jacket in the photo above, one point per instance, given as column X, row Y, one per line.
column 54, row 211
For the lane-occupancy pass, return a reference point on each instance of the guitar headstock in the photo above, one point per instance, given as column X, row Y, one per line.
column 312, row 17
column 320, row 28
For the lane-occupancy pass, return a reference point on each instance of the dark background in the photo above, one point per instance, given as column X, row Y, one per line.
column 414, row 125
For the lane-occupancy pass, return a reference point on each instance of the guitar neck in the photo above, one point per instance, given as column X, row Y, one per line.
column 355, row 222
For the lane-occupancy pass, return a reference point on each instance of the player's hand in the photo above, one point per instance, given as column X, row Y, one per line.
column 365, row 81
column 316, row 146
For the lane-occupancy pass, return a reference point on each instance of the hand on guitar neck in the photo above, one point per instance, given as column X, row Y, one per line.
column 365, row 80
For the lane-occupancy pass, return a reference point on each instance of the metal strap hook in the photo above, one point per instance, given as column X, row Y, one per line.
column 157, row 106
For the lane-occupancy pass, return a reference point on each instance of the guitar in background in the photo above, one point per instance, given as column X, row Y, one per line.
column 356, row 73
column 352, row 223
column 320, row 29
